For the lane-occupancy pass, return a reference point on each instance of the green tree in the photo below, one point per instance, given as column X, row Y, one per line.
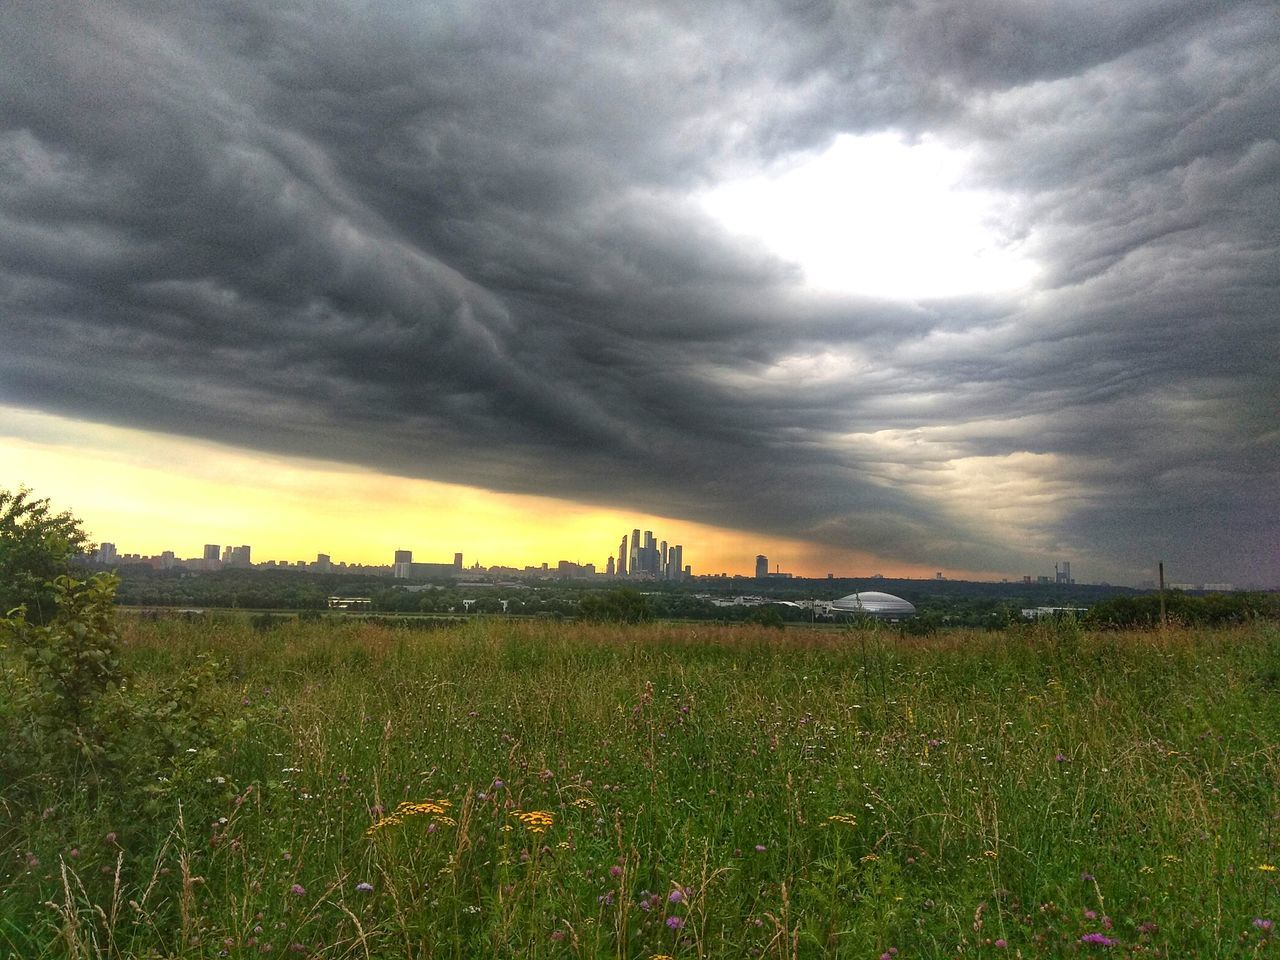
column 619, row 606
column 37, row 545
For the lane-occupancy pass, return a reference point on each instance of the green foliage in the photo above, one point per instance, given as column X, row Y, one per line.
column 36, row 545
column 1186, row 609
column 623, row 605
column 767, row 615
column 71, row 663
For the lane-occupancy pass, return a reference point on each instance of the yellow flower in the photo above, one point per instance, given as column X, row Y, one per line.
column 991, row 854
column 870, row 858
column 410, row 809
column 845, row 818
column 1267, row 867
column 535, row 821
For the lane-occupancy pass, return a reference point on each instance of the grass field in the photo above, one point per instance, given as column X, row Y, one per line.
column 683, row 791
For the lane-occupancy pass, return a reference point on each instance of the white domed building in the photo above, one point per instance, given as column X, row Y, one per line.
column 883, row 606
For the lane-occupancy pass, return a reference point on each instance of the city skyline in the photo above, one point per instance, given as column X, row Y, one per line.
column 905, row 287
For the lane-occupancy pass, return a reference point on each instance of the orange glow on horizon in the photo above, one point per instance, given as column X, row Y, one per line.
column 149, row 492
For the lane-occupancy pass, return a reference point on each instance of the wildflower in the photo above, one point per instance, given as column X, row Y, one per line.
column 760, row 848
column 1061, row 758
column 675, row 923
column 1261, row 924
column 535, row 821
column 846, row 818
column 675, row 896
column 615, row 871
column 557, row 935
column 1097, row 940
column 498, row 784
column 1267, row 867
column 662, row 956
column 298, row 890
column 363, row 887
column 1001, row 943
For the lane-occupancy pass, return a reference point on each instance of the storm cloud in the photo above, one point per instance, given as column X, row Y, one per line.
column 463, row 242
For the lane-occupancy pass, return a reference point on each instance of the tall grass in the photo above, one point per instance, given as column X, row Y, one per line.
column 712, row 792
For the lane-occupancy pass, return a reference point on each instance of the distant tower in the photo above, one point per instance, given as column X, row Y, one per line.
column 762, row 566
column 1062, row 572
column 609, row 568
column 404, row 556
column 634, row 566
column 661, row 569
column 457, row 561
column 211, row 551
column 622, row 557
column 678, row 562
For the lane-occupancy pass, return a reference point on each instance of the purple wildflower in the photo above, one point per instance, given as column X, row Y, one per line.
column 760, row 848
column 675, row 923
column 1001, row 943
column 1262, row 924
column 363, row 887
column 615, row 871
column 1097, row 940
column 498, row 784
column 298, row 890
column 1061, row 758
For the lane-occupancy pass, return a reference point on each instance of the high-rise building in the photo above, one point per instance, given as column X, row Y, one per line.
column 1062, row 572
column 609, row 568
column 622, row 557
column 404, row 556
column 237, row 557
column 661, row 569
column 324, row 563
column 677, row 562
column 762, row 566
column 106, row 553
column 634, row 566
column 457, row 561
column 211, row 551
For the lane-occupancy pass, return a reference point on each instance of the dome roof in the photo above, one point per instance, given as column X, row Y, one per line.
column 874, row 604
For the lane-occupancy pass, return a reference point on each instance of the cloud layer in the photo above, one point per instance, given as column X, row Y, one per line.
column 462, row 241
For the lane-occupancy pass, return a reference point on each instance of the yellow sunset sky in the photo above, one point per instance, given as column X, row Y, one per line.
column 148, row 492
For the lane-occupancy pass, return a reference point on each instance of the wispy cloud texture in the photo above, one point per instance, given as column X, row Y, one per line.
column 463, row 242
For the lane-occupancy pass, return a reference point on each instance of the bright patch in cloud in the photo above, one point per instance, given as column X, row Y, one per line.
column 879, row 217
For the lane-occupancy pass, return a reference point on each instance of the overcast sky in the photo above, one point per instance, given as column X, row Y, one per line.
column 536, row 247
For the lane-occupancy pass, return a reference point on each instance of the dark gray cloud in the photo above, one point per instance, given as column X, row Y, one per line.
column 460, row 242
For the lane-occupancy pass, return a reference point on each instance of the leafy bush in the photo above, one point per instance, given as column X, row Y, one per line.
column 619, row 606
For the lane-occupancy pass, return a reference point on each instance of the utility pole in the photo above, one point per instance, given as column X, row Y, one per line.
column 1163, row 620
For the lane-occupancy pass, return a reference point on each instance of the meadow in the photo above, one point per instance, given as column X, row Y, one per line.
column 500, row 788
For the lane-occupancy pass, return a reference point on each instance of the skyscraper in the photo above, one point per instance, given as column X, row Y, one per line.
column 634, row 566
column 677, row 564
column 622, row 557
column 762, row 566
column 211, row 551
column 404, row 556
